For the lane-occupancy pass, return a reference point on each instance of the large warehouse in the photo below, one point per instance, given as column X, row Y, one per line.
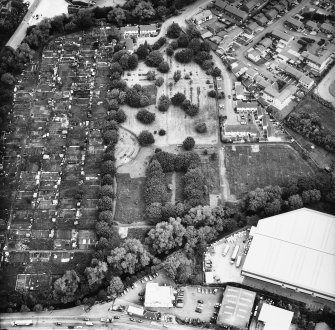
column 295, row 250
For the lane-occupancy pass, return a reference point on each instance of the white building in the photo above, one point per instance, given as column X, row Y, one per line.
column 158, row 296
column 202, row 17
column 295, row 250
column 275, row 318
column 279, row 99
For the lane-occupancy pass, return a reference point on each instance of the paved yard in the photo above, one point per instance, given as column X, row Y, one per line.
column 191, row 296
column 222, row 269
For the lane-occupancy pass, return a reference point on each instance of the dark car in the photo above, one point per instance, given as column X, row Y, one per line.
column 116, row 317
column 200, row 301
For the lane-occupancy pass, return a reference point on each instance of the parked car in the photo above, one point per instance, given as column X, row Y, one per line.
column 132, row 319
column 198, row 310
column 199, row 290
column 200, row 301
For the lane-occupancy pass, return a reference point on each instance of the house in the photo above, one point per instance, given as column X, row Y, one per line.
column 5, row 7
column 311, row 26
column 271, row 14
column 305, row 81
column 249, row 6
column 240, row 130
column 239, row 90
column 266, row 42
column 321, row 61
column 261, row 82
column 260, row 19
column 279, row 99
column 202, row 17
column 206, row 34
column 148, row 30
column 252, row 28
column 129, row 31
column 251, row 73
column 283, row 37
column 294, row 23
column 129, row 45
column 279, row 7
column 254, row 55
column 220, row 5
column 246, row 106
column 216, row 27
column 327, row 28
column 237, row 14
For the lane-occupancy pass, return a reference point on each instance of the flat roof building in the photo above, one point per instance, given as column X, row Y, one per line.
column 236, row 308
column 295, row 250
column 274, row 318
column 158, row 296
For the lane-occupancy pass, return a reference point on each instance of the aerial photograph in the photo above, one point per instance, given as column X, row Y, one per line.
column 167, row 164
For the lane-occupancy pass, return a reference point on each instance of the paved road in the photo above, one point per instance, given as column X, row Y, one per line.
column 20, row 32
column 323, row 88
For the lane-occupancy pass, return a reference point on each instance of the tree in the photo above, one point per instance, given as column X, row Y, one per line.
column 66, row 286
column 194, row 45
column 178, row 98
column 159, row 81
column 146, row 138
column 184, row 56
column 107, row 179
column 169, row 50
column 143, row 51
column 212, row 93
column 177, row 75
column 107, row 190
column 194, row 186
column 216, row 72
column 8, row 79
column 111, row 136
column 192, row 32
column 105, row 203
column 132, row 62
column 174, row 263
column 38, row 308
column 118, row 15
column 164, row 67
column 84, row 18
column 164, row 103
column 115, row 286
column 188, row 143
column 165, row 159
column 192, row 110
column 151, row 75
column 311, row 196
column 166, row 236
column 201, row 128
column 24, row 309
column 145, row 116
column 159, row 43
column 154, row 59
column 183, row 40
column 295, row 202
column 174, row 31
column 95, row 274
column 144, row 11
column 103, row 229
column 119, row 116
column 144, row 100
column 154, row 210
column 108, row 167
column 129, row 258
column 106, row 216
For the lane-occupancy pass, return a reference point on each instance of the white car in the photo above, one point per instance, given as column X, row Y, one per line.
column 219, row 88
column 218, row 78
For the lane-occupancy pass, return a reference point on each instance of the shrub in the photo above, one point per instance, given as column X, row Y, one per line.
column 159, row 43
column 212, row 93
column 159, row 81
column 188, row 143
column 201, row 128
column 164, row 67
column 151, row 75
column 146, row 138
column 111, row 136
column 145, row 116
column 169, row 50
column 107, row 179
column 183, row 41
column 177, row 75
column 192, row 110
column 161, row 132
column 174, row 31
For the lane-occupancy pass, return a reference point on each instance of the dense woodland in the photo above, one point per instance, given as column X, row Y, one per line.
column 182, row 231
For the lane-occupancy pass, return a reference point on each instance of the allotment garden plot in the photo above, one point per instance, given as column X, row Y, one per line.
column 53, row 153
column 250, row 167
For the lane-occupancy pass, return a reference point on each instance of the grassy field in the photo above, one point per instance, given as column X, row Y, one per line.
column 138, row 233
column 249, row 167
column 129, row 202
column 327, row 116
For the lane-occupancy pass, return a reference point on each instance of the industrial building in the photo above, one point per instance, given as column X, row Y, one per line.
column 274, row 318
column 236, row 308
column 294, row 250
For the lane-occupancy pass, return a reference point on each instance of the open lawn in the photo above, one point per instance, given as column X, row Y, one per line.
column 129, row 202
column 249, row 167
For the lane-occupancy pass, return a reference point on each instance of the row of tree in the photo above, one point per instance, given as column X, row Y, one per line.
column 311, row 127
